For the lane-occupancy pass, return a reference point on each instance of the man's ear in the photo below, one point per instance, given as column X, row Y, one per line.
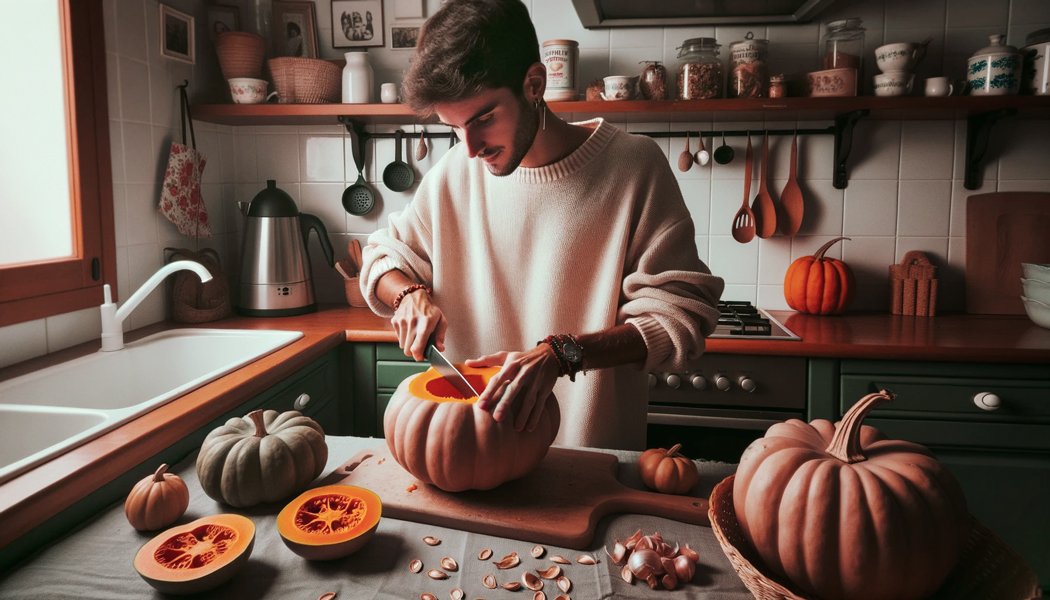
column 535, row 82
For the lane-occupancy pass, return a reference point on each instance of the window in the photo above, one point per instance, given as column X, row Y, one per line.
column 60, row 266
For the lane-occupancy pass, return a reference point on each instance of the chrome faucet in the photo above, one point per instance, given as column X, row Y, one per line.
column 113, row 317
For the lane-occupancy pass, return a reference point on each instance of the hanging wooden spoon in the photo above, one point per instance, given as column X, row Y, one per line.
column 791, row 199
column 744, row 219
column 421, row 149
column 685, row 159
column 765, row 212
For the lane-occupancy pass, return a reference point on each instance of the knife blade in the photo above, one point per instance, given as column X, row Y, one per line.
column 446, row 369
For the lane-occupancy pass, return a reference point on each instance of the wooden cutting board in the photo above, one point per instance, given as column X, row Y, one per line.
column 559, row 503
column 1003, row 230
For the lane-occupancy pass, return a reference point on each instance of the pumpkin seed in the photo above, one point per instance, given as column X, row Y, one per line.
column 564, row 584
column 538, row 551
column 586, row 559
column 550, row 572
column 436, row 574
column 449, row 564
column 563, row 597
column 489, row 581
column 415, row 566
column 531, row 581
column 427, row 596
column 327, row 596
column 431, row 540
column 508, row 562
column 512, row 586
column 561, row 560
column 485, row 554
column 456, row 594
column 539, row 595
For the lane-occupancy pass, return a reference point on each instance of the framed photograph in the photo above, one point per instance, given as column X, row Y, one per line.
column 223, row 17
column 357, row 23
column 176, row 35
column 403, row 35
column 294, row 29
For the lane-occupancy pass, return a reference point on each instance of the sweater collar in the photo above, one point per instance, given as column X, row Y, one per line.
column 601, row 135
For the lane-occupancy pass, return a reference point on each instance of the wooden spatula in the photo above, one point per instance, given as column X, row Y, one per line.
column 744, row 219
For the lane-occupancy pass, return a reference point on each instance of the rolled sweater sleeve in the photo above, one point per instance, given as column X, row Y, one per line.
column 405, row 245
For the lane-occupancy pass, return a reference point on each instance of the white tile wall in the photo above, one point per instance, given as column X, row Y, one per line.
column 905, row 190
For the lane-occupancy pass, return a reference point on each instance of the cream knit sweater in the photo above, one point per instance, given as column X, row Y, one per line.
column 599, row 238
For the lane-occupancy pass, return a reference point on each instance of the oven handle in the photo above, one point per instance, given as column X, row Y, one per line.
column 709, row 421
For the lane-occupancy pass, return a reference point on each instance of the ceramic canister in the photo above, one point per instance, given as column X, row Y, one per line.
column 994, row 70
column 1037, row 63
column 748, row 75
column 559, row 57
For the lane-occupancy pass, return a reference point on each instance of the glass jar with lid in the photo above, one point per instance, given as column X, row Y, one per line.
column 699, row 69
column 844, row 45
column 748, row 73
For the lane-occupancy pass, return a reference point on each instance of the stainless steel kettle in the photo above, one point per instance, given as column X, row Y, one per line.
column 275, row 265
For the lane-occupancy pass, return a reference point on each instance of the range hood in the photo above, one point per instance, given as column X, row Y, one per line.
column 601, row 14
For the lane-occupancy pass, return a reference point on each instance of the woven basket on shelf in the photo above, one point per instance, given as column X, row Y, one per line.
column 240, row 54
column 988, row 568
column 305, row 80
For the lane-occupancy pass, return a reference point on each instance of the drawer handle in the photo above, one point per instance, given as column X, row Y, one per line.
column 301, row 402
column 987, row 401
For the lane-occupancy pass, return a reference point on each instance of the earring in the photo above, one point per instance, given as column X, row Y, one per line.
column 541, row 107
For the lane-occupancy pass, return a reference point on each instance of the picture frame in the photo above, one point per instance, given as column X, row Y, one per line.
column 177, row 39
column 221, row 18
column 403, row 35
column 357, row 23
column 294, row 29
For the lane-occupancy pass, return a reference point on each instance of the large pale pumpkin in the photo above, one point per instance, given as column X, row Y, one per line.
column 265, row 456
column 843, row 512
column 819, row 285
column 443, row 439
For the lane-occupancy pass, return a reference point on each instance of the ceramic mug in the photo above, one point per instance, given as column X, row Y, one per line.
column 388, row 93
column 939, row 86
column 246, row 90
column 901, row 56
column 896, row 83
column 618, row 87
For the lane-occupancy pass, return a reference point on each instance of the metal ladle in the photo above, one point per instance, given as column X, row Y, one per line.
column 724, row 153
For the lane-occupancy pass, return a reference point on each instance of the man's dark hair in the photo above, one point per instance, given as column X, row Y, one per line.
column 468, row 46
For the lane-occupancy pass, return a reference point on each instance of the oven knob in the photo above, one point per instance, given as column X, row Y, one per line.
column 722, row 382
column 746, row 383
column 987, row 401
column 673, row 381
column 652, row 381
column 698, row 382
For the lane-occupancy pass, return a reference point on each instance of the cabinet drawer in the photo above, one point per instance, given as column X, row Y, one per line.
column 390, row 374
column 391, row 352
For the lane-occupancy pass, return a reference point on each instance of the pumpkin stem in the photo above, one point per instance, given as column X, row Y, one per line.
column 257, row 419
column 819, row 254
column 674, row 450
column 845, row 444
column 158, row 475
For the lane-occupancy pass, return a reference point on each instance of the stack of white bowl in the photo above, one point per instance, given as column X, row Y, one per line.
column 896, row 62
column 1035, row 286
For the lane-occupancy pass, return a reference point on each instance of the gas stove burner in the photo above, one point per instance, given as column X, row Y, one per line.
column 740, row 318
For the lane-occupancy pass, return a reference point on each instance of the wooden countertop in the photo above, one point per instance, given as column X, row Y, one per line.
column 29, row 499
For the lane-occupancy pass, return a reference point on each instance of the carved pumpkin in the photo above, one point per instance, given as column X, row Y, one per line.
column 265, row 456
column 843, row 512
column 330, row 522
column 668, row 471
column 197, row 556
column 441, row 438
column 819, row 285
column 157, row 501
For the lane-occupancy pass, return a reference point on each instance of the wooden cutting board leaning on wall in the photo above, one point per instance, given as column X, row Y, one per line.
column 1003, row 230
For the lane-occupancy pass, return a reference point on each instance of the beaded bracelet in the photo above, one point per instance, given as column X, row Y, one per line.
column 408, row 290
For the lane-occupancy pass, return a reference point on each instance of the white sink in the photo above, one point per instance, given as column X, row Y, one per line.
column 47, row 412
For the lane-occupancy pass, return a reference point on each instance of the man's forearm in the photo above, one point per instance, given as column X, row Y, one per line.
column 615, row 346
column 390, row 285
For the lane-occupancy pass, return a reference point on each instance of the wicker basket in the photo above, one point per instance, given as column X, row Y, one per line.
column 240, row 54
column 305, row 80
column 988, row 568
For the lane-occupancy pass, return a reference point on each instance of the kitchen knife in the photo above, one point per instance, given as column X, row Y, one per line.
column 446, row 369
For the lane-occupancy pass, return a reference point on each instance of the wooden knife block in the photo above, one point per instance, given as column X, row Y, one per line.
column 913, row 286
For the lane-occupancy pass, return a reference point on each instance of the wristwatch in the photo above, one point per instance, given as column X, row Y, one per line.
column 573, row 353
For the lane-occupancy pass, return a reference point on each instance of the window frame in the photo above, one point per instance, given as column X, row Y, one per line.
column 41, row 289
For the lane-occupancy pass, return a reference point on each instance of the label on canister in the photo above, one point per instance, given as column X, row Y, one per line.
column 747, row 68
column 559, row 57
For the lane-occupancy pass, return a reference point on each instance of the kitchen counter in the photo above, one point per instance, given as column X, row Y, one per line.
column 96, row 561
column 30, row 499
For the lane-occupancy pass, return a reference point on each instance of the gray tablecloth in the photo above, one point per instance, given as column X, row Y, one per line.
column 96, row 560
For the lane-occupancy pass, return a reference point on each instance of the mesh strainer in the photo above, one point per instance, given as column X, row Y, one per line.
column 398, row 176
column 358, row 198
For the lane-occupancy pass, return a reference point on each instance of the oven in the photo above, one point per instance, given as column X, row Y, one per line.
column 731, row 399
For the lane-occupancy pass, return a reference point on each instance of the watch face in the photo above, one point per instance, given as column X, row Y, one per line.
column 572, row 352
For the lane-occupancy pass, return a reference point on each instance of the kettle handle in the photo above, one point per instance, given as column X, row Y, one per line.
column 308, row 222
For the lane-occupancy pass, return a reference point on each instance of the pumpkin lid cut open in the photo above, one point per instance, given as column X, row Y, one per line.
column 431, row 385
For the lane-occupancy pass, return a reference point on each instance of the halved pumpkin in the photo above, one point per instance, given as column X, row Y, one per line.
column 330, row 522
column 197, row 556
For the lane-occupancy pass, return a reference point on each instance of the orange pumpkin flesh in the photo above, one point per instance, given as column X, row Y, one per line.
column 330, row 521
column 196, row 556
column 442, row 439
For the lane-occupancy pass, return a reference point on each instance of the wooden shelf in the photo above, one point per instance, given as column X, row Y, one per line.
column 784, row 109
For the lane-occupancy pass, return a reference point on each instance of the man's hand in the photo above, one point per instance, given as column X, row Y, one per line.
column 416, row 319
column 519, row 391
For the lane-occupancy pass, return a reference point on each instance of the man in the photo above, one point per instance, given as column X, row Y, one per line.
column 561, row 252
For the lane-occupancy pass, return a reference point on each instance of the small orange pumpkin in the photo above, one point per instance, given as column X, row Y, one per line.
column 330, row 521
column 668, row 471
column 197, row 556
column 157, row 500
column 443, row 439
column 819, row 285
